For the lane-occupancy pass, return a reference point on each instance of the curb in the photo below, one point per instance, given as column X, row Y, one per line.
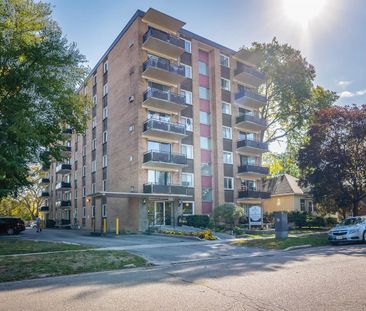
column 291, row 248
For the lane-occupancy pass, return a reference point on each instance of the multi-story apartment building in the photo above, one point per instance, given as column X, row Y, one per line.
column 175, row 129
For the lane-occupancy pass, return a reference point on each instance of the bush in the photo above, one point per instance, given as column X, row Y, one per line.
column 331, row 221
column 228, row 213
column 298, row 218
column 198, row 221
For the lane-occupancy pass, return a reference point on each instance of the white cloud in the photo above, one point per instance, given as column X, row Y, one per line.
column 344, row 83
column 346, row 94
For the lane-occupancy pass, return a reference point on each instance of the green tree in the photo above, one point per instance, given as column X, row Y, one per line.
column 39, row 76
column 228, row 213
column 333, row 160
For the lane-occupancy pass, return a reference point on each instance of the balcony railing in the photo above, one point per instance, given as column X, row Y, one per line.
column 154, row 124
column 251, row 95
column 45, row 181
column 67, row 131
column 44, row 209
column 253, row 169
column 164, row 95
column 163, row 36
column 165, row 189
column 163, row 64
column 63, row 185
column 166, row 157
column 252, row 144
column 249, row 70
column 45, row 194
column 64, row 203
column 251, row 119
column 63, row 168
column 251, row 194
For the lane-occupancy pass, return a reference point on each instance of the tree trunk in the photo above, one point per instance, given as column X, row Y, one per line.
column 355, row 209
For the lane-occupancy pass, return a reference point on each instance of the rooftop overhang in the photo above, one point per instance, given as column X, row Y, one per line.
column 162, row 21
column 149, row 196
column 247, row 57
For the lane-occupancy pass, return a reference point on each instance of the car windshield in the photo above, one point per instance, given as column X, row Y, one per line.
column 351, row 221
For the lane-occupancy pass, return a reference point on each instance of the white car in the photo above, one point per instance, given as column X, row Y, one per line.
column 350, row 229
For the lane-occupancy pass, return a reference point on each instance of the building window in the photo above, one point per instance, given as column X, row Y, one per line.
column 104, row 210
column 158, row 177
column 105, row 160
column 84, row 151
column 94, row 166
column 187, row 150
column 105, row 89
column 206, row 195
column 94, row 122
column 75, row 194
column 187, row 46
column 94, row 144
column 188, row 122
column 204, row 93
column 206, row 169
column 94, row 100
column 188, row 96
column 92, row 211
column 226, row 108
column 248, row 185
column 202, row 68
column 84, row 212
column 224, row 60
column 104, row 184
column 84, row 171
column 188, row 71
column 93, row 188
column 302, row 205
column 204, row 117
column 105, row 137
column 205, row 143
column 187, row 180
column 227, row 132
column 228, row 183
column 131, row 128
column 105, row 112
column 311, row 207
column 84, row 192
column 228, row 157
column 225, row 84
column 105, row 67
column 94, row 80
column 188, row 207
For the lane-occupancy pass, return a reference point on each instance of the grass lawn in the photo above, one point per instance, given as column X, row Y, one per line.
column 313, row 240
column 9, row 247
column 45, row 265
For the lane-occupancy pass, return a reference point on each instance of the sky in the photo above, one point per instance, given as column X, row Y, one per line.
column 333, row 39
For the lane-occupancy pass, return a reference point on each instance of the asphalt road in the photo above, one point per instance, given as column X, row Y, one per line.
column 324, row 278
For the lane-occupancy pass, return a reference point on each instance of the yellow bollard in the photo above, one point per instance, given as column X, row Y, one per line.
column 104, row 225
column 117, row 226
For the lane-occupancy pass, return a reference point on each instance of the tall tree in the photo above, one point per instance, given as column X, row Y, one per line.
column 292, row 98
column 333, row 160
column 39, row 75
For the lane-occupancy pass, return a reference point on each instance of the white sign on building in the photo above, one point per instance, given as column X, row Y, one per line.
column 255, row 215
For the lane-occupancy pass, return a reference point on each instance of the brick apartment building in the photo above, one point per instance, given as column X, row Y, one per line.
column 175, row 130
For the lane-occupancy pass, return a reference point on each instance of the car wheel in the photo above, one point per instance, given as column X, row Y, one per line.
column 10, row 231
column 364, row 236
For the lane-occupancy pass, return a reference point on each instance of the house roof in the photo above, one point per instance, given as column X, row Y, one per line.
column 285, row 184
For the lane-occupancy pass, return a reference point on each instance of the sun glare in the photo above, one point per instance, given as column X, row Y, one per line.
column 303, row 11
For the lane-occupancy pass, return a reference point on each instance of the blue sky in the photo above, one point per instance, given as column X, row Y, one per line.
column 334, row 41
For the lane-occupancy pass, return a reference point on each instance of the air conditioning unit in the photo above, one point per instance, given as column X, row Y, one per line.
column 131, row 99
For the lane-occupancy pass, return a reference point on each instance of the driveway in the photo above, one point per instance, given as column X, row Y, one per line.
column 158, row 250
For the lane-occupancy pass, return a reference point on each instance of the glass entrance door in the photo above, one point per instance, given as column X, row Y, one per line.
column 163, row 212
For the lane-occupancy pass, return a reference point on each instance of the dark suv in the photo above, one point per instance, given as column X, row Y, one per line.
column 11, row 225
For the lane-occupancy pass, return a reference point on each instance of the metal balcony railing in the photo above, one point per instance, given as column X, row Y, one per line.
column 249, row 70
column 155, row 124
column 165, row 189
column 250, row 94
column 163, row 36
column 164, row 95
column 163, row 64
column 167, row 157
column 251, row 194
column 253, row 169
column 250, row 118
column 252, row 144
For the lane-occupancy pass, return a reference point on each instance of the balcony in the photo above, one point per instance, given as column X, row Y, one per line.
column 165, row 189
column 45, row 194
column 251, row 194
column 163, row 21
column 63, row 186
column 44, row 209
column 251, row 100
column 160, row 101
column 162, row 43
column 63, row 168
column 45, row 181
column 63, row 204
column 164, row 160
column 252, row 171
column 162, row 71
column 249, row 123
column 66, row 151
column 251, row 147
column 164, row 131
column 249, row 76
column 67, row 131
column 248, row 57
